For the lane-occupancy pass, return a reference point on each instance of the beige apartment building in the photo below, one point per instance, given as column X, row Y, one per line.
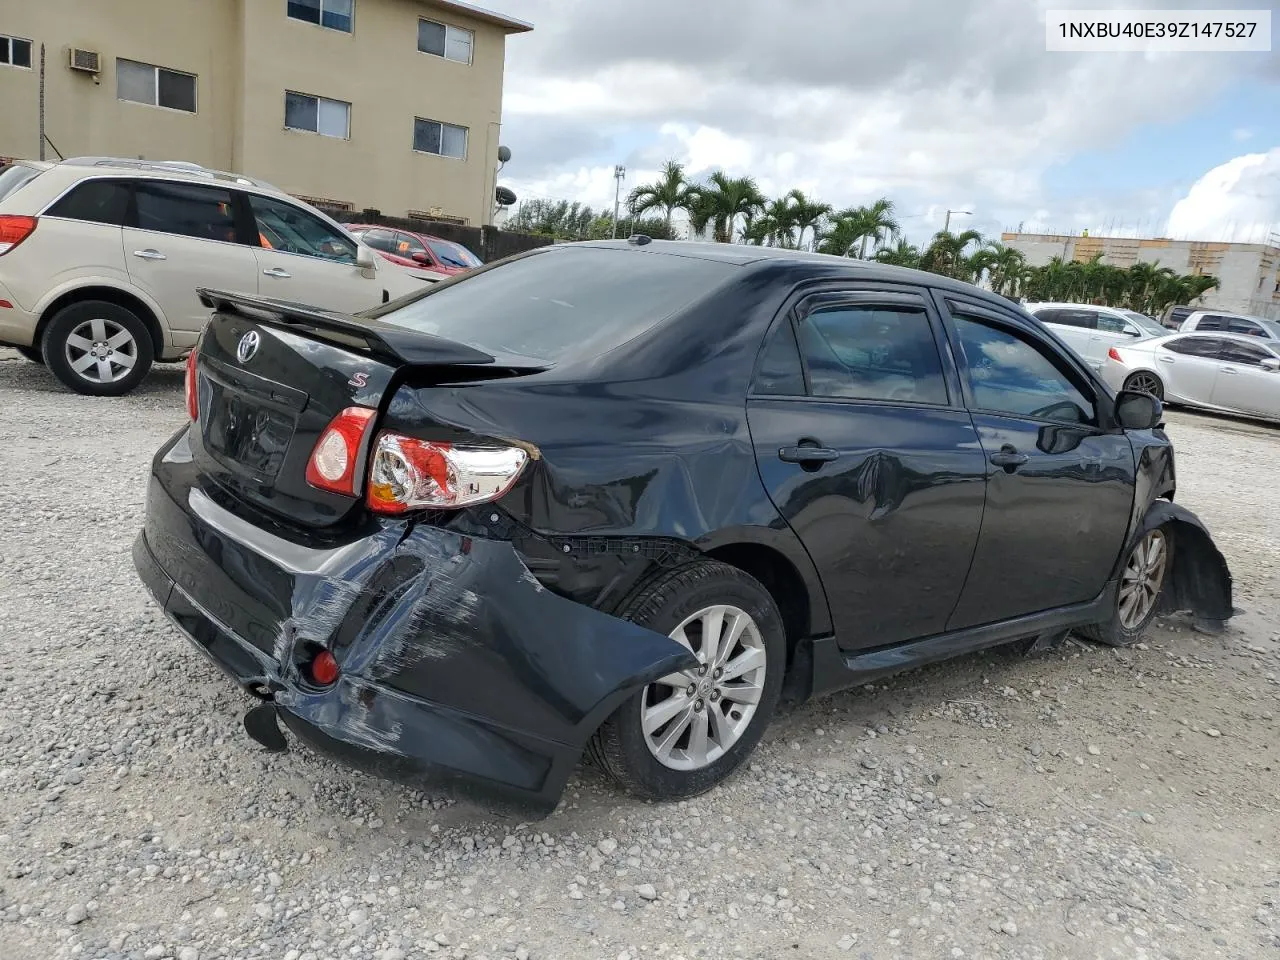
column 350, row 104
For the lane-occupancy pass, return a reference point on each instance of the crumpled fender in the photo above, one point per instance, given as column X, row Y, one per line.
column 1200, row 581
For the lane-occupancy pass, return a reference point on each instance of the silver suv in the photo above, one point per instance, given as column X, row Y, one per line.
column 100, row 259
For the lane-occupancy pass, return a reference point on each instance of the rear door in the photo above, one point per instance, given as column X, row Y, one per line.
column 868, row 454
column 1189, row 367
column 180, row 236
column 1073, row 327
column 304, row 259
column 1060, row 483
column 1243, row 383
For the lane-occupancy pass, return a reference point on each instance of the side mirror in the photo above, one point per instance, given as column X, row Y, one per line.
column 1271, row 363
column 1138, row 411
column 366, row 259
column 421, row 257
column 1132, row 332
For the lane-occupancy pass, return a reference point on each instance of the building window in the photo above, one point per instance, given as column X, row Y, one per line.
column 329, row 118
column 442, row 139
column 333, row 14
column 155, row 86
column 15, row 51
column 445, row 40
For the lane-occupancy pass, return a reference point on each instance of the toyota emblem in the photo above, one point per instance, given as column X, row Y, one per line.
column 248, row 346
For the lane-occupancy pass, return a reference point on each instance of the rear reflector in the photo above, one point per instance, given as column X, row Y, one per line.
column 408, row 474
column 333, row 462
column 324, row 668
column 193, row 398
column 1114, row 354
column 13, row 230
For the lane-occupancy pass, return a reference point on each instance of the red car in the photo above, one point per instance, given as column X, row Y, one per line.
column 417, row 249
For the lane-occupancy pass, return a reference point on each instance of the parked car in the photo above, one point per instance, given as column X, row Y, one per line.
column 100, row 259
column 417, row 249
column 1174, row 316
column 630, row 494
column 1206, row 320
column 1227, row 372
column 1090, row 330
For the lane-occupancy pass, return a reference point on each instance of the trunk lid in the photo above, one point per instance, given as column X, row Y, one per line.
column 270, row 377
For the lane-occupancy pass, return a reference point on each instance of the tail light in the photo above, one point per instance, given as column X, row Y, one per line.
column 13, row 230
column 333, row 462
column 1114, row 354
column 193, row 398
column 408, row 474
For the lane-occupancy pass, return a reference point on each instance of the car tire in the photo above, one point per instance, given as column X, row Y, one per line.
column 1145, row 382
column 1126, row 626
column 98, row 348
column 32, row 354
column 684, row 602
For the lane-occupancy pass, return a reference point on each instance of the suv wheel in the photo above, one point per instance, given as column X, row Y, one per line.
column 684, row 733
column 1145, row 571
column 98, row 348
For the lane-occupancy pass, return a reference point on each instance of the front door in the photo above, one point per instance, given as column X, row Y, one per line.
column 869, row 456
column 1244, row 383
column 1060, row 487
column 1189, row 365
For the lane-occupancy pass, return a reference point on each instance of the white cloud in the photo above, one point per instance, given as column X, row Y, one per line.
column 1237, row 201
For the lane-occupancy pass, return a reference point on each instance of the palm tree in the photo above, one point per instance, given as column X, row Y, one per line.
column 946, row 253
column 903, row 255
column 721, row 202
column 669, row 193
column 806, row 214
column 877, row 223
column 1006, row 270
column 775, row 226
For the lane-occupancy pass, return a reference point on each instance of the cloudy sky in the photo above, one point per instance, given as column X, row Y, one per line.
column 932, row 103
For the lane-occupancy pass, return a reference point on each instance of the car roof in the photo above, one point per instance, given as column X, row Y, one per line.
column 1273, row 345
column 413, row 233
column 161, row 169
column 1229, row 314
column 1063, row 305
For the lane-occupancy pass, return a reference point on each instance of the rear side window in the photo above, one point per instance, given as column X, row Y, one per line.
column 95, row 201
column 561, row 303
column 780, row 373
column 188, row 210
column 1195, row 346
column 1077, row 318
column 14, row 178
column 872, row 353
column 1212, row 322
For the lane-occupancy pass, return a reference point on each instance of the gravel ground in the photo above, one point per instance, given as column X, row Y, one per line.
column 1085, row 803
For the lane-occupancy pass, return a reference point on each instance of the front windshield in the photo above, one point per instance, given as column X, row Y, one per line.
column 453, row 254
column 1144, row 323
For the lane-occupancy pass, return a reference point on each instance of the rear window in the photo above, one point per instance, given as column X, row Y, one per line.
column 564, row 303
column 14, row 177
column 453, row 255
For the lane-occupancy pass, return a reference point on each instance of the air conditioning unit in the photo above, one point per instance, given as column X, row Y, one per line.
column 86, row 61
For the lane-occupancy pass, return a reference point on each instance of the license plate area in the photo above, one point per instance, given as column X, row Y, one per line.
column 246, row 426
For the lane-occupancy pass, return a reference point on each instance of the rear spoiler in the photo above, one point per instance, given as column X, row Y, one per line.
column 385, row 341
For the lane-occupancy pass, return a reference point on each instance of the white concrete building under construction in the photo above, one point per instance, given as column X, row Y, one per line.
column 1248, row 273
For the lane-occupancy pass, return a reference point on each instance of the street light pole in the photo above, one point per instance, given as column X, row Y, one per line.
column 946, row 228
column 619, row 174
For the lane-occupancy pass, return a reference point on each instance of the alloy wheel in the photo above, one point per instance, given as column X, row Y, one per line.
column 692, row 718
column 1142, row 579
column 101, row 351
column 1145, row 383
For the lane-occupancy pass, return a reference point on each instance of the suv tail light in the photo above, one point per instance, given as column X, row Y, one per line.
column 1114, row 354
column 408, row 474
column 193, row 398
column 13, row 230
column 333, row 462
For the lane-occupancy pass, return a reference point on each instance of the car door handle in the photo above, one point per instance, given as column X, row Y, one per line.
column 1166, row 359
column 1230, row 370
column 277, row 273
column 1009, row 458
column 808, row 454
column 149, row 254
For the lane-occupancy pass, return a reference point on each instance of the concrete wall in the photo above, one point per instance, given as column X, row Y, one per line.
column 246, row 54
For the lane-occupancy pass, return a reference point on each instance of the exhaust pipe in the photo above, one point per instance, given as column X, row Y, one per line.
column 262, row 724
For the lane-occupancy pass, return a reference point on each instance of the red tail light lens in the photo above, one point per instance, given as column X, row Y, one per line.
column 193, row 398
column 1114, row 354
column 332, row 465
column 13, row 230
column 408, row 474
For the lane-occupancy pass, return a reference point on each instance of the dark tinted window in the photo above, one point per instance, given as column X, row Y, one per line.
column 1008, row 374
column 186, row 209
column 454, row 254
column 383, row 240
column 1245, row 326
column 1195, row 346
column 780, row 373
column 1076, row 318
column 872, row 353
column 96, row 201
column 1049, row 316
column 564, row 302
column 1233, row 352
column 1212, row 322
column 284, row 227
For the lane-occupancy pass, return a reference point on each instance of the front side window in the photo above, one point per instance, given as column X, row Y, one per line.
column 95, row 201
column 780, row 373
column 872, row 353
column 334, row 14
column 1246, row 353
column 1007, row 374
column 383, row 240
column 186, row 209
column 1111, row 324
column 155, row 86
column 284, row 227
column 443, row 139
column 329, row 118
column 445, row 40
column 1247, row 327
column 15, row 51
column 1195, row 346
column 407, row 245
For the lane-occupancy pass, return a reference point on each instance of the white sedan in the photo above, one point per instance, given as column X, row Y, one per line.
column 1230, row 373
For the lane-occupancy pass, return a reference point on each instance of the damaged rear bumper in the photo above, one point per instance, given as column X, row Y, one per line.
column 458, row 668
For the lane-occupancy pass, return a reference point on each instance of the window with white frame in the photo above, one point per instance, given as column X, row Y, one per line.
column 155, row 86
column 329, row 118
column 15, row 51
column 333, row 14
column 442, row 139
column 445, row 40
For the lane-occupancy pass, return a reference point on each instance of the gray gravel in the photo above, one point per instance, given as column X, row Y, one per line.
column 1087, row 803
